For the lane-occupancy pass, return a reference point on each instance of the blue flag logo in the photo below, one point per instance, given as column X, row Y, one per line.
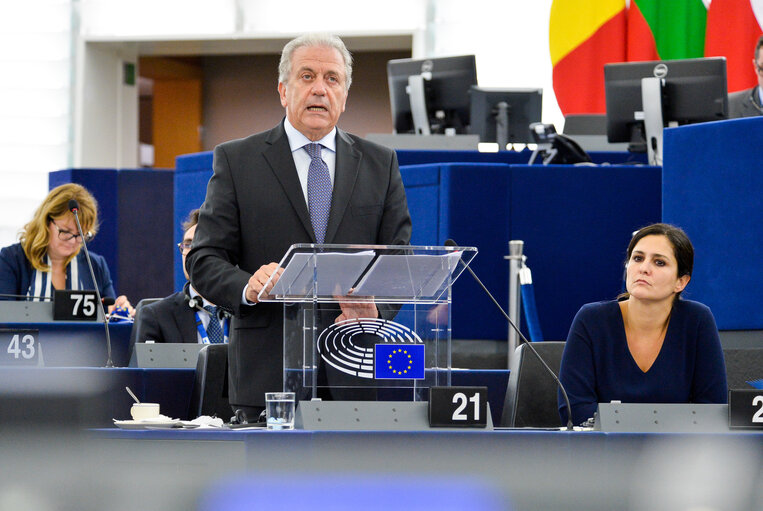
column 399, row 361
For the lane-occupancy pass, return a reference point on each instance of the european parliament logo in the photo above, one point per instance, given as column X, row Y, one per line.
column 399, row 361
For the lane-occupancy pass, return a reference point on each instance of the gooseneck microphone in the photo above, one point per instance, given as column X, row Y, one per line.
column 451, row 243
column 74, row 208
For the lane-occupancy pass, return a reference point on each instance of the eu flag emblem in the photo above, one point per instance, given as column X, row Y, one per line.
column 399, row 361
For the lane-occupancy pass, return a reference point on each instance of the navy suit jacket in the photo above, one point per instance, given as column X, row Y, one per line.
column 745, row 103
column 16, row 272
column 170, row 319
column 255, row 210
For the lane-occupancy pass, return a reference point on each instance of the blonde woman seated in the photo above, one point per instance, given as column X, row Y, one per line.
column 650, row 346
column 48, row 256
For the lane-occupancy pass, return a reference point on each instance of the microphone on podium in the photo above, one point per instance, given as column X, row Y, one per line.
column 451, row 243
column 74, row 208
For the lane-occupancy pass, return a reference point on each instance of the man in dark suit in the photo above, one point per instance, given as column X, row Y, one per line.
column 749, row 102
column 184, row 316
column 274, row 189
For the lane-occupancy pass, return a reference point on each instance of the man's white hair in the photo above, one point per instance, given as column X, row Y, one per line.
column 315, row 40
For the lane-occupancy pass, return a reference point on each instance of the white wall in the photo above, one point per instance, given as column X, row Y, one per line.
column 106, row 108
column 509, row 39
column 35, row 99
column 70, row 107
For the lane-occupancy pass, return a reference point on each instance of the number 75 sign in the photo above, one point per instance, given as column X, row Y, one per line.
column 71, row 305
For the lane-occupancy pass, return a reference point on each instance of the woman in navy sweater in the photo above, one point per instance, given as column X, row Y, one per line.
column 649, row 346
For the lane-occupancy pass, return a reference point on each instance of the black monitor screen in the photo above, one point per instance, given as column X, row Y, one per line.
column 523, row 107
column 447, row 91
column 694, row 91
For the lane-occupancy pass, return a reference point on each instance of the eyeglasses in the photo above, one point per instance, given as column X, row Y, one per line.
column 65, row 235
column 759, row 68
column 184, row 246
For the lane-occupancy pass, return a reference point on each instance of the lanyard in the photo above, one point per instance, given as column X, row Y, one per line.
column 203, row 331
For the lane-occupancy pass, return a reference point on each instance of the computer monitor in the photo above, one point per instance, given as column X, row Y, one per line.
column 504, row 115
column 682, row 92
column 431, row 96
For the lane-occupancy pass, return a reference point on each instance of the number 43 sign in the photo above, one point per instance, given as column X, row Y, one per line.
column 19, row 347
column 457, row 407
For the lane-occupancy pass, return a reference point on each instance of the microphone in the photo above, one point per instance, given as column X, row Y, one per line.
column 451, row 243
column 74, row 208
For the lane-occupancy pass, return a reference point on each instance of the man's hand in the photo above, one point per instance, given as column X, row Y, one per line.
column 122, row 304
column 356, row 310
column 260, row 278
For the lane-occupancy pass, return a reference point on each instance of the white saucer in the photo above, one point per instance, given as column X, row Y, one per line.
column 130, row 424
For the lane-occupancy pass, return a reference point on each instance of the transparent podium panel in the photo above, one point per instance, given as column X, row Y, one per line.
column 367, row 322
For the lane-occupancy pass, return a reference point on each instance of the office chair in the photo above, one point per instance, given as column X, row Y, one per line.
column 134, row 332
column 210, row 386
column 743, row 365
column 531, row 392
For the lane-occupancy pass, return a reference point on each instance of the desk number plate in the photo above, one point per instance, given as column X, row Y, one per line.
column 746, row 408
column 19, row 347
column 454, row 407
column 75, row 306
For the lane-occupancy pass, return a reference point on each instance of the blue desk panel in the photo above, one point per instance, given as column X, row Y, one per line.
column 102, row 390
column 192, row 174
column 135, row 232
column 417, row 157
column 172, row 388
column 81, row 344
column 712, row 188
column 575, row 221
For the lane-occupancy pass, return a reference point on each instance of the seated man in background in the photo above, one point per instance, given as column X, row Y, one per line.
column 749, row 102
column 184, row 316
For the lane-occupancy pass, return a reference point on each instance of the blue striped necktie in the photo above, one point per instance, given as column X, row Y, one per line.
column 214, row 332
column 318, row 191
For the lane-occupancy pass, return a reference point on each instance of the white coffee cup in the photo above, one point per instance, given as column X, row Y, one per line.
column 140, row 411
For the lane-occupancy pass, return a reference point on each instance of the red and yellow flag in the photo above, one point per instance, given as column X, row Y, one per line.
column 586, row 34
column 583, row 36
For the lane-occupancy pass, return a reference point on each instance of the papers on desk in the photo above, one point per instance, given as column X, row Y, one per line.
column 412, row 275
column 337, row 272
column 164, row 422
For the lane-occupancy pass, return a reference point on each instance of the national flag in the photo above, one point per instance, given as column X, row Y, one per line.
column 583, row 36
column 733, row 29
column 586, row 34
column 395, row 361
column 664, row 30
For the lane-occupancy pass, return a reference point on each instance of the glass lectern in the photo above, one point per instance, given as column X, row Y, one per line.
column 367, row 322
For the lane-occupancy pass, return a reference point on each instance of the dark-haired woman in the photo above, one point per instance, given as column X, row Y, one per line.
column 649, row 346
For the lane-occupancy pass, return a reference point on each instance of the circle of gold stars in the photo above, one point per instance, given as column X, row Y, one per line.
column 389, row 361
